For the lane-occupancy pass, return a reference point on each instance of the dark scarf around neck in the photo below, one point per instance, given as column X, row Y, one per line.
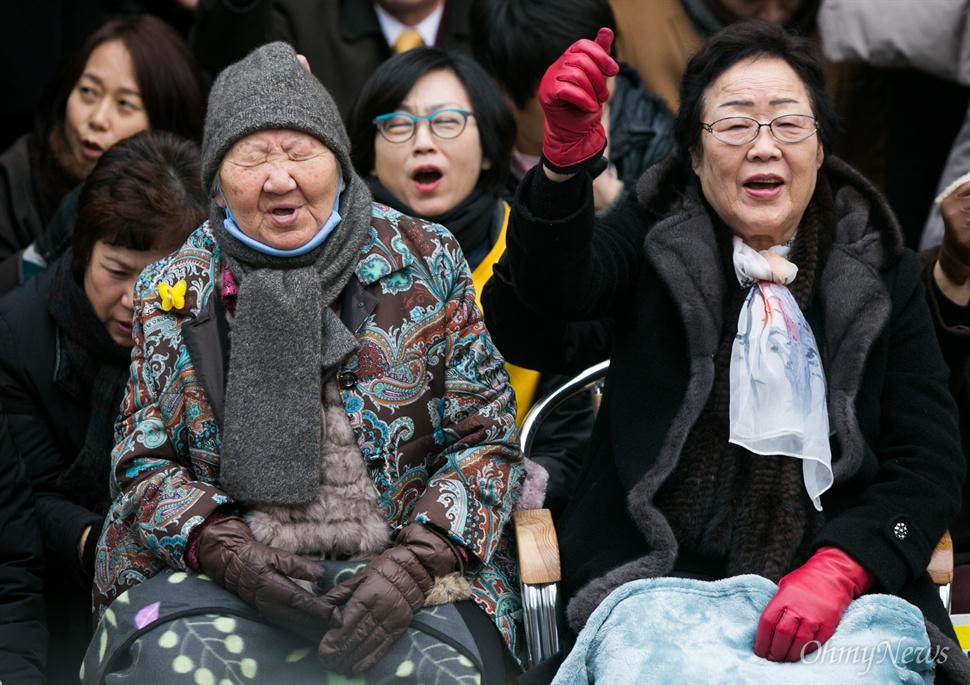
column 285, row 340
column 469, row 221
column 102, row 366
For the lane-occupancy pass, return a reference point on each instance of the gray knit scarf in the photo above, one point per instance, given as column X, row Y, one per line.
column 285, row 339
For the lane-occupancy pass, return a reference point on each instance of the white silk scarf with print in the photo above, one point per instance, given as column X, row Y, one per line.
column 778, row 403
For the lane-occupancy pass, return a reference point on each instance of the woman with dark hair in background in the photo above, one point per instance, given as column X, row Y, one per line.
column 131, row 75
column 65, row 349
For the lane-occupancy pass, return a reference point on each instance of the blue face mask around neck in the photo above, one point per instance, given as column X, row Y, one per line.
column 233, row 229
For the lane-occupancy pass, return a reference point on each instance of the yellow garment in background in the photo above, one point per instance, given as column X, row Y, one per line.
column 524, row 381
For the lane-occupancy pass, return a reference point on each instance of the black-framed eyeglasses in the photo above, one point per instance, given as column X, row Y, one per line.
column 788, row 128
column 398, row 127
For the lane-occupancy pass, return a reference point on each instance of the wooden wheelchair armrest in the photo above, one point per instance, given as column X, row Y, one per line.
column 538, row 550
column 940, row 567
column 538, row 547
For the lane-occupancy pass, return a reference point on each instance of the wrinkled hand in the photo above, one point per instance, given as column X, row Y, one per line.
column 954, row 254
column 260, row 576
column 572, row 93
column 809, row 604
column 375, row 607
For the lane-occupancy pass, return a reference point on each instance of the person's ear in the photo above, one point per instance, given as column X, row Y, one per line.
column 695, row 161
column 486, row 164
column 820, row 157
column 220, row 200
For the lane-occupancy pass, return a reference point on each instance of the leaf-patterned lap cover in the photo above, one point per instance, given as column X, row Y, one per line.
column 182, row 628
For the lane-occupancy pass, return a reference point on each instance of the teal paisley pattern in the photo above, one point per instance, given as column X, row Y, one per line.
column 431, row 408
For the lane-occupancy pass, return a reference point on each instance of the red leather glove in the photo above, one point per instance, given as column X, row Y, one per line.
column 572, row 93
column 809, row 604
column 955, row 248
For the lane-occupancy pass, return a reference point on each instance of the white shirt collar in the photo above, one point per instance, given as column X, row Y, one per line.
column 392, row 28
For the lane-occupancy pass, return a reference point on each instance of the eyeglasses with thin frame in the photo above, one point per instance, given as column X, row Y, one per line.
column 788, row 128
column 399, row 127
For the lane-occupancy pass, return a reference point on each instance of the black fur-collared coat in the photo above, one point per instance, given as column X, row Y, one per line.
column 655, row 267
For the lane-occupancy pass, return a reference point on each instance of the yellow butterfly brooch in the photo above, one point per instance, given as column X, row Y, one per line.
column 172, row 296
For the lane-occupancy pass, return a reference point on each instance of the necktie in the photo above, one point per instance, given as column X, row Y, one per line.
column 408, row 40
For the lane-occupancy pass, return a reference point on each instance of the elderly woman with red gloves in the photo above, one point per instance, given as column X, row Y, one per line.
column 776, row 403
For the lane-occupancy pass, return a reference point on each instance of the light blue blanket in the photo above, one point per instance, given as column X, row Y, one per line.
column 678, row 630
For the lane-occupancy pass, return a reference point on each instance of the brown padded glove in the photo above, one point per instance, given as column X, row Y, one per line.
column 374, row 608
column 954, row 254
column 260, row 576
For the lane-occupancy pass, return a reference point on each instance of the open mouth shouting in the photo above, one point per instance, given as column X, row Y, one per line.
column 426, row 178
column 763, row 186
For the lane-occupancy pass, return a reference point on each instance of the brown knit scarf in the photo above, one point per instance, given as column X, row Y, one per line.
column 722, row 501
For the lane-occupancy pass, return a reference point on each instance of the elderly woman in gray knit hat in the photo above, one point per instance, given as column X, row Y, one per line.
column 311, row 379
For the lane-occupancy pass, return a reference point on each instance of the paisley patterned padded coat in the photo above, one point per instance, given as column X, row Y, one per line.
column 426, row 395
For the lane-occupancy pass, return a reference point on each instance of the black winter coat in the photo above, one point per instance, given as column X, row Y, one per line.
column 21, row 219
column 47, row 411
column 48, row 415
column 641, row 135
column 655, row 267
column 953, row 331
column 23, row 634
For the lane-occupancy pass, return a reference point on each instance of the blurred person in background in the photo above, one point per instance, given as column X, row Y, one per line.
column 130, row 75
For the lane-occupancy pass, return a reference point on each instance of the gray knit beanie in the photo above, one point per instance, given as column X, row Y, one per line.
column 269, row 89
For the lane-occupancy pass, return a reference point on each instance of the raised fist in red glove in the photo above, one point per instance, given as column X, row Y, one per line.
column 572, row 94
column 809, row 604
